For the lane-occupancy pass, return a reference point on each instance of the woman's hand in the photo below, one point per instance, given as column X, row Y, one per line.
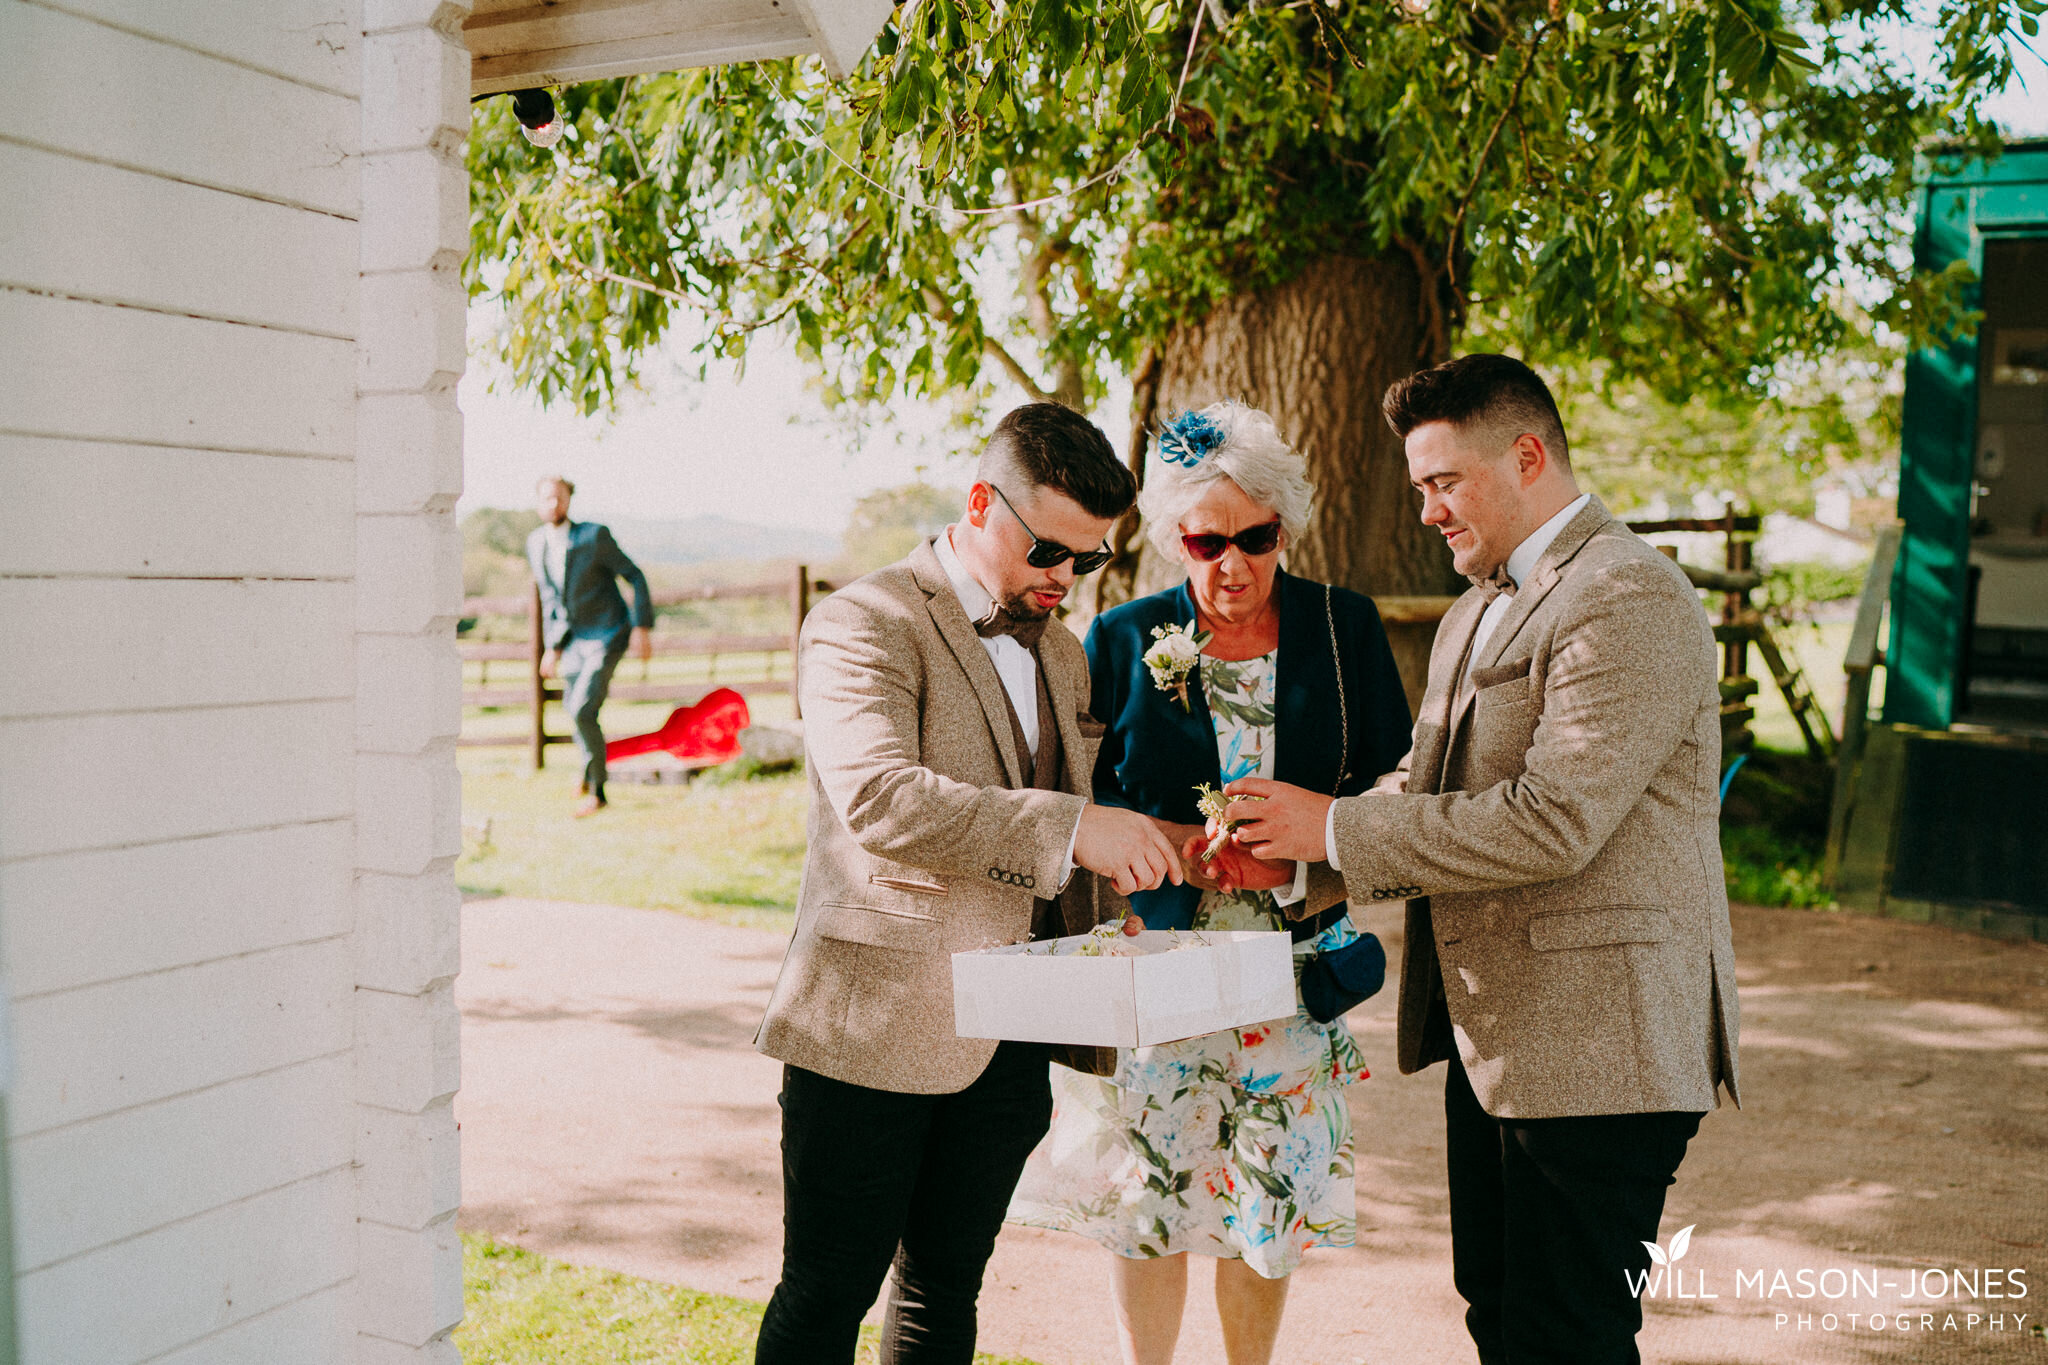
column 1232, row 869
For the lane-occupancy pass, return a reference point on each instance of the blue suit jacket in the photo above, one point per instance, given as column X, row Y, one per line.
column 1154, row 754
column 587, row 604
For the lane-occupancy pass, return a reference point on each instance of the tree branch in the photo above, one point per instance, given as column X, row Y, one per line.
column 1123, row 567
column 990, row 347
column 1479, row 166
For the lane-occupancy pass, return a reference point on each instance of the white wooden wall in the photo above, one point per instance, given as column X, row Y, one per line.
column 230, row 329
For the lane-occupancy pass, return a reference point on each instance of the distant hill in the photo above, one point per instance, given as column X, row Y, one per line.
column 694, row 539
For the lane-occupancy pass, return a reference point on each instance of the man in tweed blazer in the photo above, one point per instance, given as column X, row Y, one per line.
column 950, row 759
column 1554, row 831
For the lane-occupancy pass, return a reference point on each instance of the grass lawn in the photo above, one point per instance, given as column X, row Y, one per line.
column 731, row 851
column 523, row 1309
column 1774, row 828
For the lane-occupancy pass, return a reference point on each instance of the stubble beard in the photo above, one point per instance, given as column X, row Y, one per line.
column 1018, row 606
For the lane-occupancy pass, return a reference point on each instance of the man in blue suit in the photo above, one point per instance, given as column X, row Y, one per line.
column 584, row 622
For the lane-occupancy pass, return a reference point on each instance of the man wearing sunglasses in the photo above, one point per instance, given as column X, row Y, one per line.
column 950, row 756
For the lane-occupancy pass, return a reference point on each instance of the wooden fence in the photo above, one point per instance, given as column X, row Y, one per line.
column 534, row 692
column 1740, row 627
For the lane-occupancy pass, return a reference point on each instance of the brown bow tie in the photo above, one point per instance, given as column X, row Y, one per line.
column 1496, row 584
column 1025, row 630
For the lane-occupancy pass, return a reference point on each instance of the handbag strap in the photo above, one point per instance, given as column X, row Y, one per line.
column 1343, row 707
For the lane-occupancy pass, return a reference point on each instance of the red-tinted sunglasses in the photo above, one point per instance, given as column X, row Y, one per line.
column 1253, row 540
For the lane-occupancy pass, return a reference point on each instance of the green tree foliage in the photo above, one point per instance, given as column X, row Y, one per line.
column 499, row 530
column 494, row 551
column 1687, row 189
column 1634, row 447
column 889, row 522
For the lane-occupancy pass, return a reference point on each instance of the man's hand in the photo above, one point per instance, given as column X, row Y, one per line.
column 1193, row 873
column 641, row 645
column 549, row 662
column 1287, row 824
column 1126, row 847
column 1232, row 869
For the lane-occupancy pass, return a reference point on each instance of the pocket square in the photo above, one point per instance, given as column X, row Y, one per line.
column 1482, row 678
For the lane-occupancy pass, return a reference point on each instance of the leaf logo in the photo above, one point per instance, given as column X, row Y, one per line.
column 1680, row 1241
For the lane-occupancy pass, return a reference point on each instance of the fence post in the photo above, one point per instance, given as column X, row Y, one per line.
column 539, row 687
column 799, row 606
column 1735, row 605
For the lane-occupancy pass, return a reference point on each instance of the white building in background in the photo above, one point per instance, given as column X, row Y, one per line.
column 231, row 324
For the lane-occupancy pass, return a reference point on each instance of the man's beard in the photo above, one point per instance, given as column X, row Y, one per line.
column 1020, row 607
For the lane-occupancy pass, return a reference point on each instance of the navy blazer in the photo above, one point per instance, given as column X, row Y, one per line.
column 587, row 604
column 1154, row 754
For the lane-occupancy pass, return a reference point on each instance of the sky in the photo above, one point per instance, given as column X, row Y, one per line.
column 761, row 447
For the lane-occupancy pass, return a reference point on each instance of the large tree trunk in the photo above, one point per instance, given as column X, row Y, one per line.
column 1317, row 353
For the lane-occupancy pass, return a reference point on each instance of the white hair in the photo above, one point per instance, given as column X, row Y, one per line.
column 1252, row 455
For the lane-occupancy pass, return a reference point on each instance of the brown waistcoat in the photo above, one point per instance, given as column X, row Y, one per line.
column 1071, row 911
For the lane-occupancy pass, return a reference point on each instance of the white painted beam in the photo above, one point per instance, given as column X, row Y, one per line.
column 516, row 44
column 843, row 29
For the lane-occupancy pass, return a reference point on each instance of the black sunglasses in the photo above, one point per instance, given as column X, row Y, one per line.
column 1253, row 540
column 1044, row 554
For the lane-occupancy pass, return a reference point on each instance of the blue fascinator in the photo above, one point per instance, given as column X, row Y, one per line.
column 1190, row 439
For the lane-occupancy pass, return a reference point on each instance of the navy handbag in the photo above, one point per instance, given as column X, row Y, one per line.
column 1338, row 980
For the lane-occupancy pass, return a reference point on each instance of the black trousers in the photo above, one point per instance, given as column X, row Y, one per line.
column 874, row 1179
column 1546, row 1216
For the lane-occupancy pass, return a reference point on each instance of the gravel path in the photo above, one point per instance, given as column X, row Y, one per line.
column 614, row 1113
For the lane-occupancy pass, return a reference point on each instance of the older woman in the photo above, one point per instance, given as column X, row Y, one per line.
column 1236, row 1145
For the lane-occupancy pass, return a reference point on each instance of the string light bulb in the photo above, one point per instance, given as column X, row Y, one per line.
column 539, row 122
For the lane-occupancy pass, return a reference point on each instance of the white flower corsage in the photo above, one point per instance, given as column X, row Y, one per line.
column 1175, row 655
column 1213, row 804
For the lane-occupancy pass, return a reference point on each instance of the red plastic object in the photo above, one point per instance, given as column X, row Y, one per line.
column 707, row 732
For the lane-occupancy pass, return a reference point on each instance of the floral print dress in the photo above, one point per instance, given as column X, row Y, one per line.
column 1233, row 1144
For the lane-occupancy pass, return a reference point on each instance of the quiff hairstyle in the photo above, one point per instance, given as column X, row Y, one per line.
column 1049, row 445
column 1495, row 397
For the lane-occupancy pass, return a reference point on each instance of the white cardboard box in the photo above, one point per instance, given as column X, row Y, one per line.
column 1150, row 991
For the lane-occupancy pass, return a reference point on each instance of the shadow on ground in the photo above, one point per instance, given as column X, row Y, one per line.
column 1896, row 1077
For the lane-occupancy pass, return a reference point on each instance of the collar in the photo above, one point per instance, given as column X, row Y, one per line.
column 974, row 599
column 1523, row 561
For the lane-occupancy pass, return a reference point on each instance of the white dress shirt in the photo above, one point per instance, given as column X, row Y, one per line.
column 1015, row 665
column 554, row 551
column 1521, row 563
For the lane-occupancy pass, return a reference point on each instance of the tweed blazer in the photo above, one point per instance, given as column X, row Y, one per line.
column 1555, row 832
column 924, row 839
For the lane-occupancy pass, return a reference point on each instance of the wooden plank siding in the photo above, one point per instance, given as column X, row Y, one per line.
column 180, row 643
column 78, row 919
column 284, row 518
column 143, row 1297
column 203, row 253
column 179, row 313
column 89, row 1185
column 315, row 43
column 91, row 371
column 103, row 94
